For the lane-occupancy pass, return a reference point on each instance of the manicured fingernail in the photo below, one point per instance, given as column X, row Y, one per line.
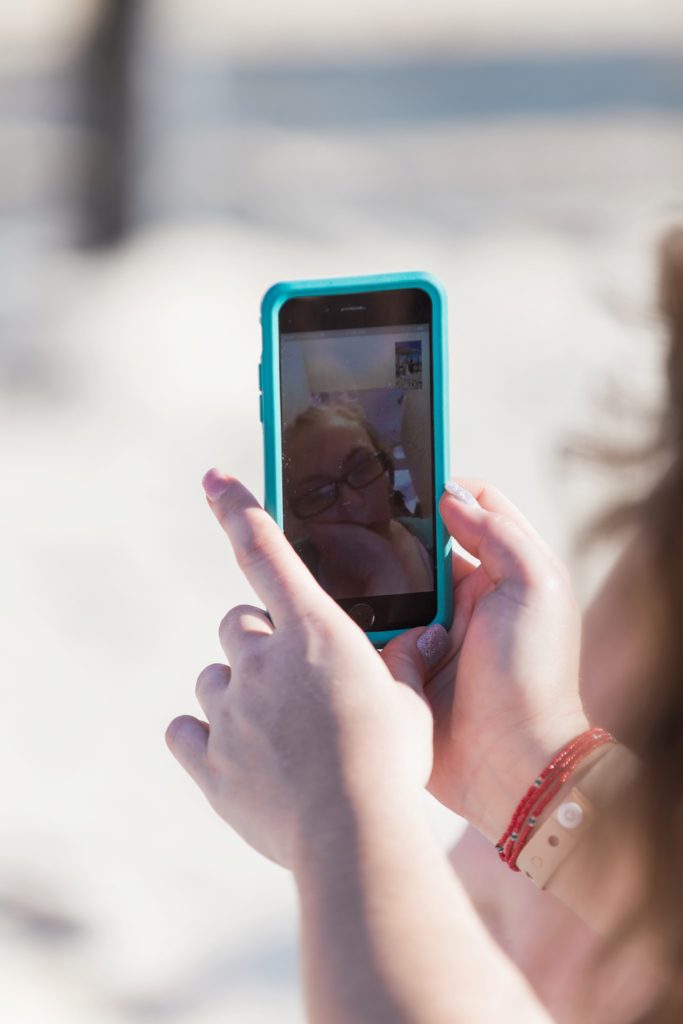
column 463, row 495
column 215, row 484
column 433, row 644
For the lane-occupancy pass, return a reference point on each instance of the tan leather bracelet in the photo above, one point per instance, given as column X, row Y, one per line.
column 559, row 835
column 556, row 838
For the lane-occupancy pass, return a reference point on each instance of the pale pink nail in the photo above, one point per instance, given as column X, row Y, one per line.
column 215, row 484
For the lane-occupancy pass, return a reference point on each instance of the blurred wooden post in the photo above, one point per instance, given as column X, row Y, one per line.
column 105, row 192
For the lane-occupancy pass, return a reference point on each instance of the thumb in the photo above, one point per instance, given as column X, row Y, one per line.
column 505, row 544
column 412, row 656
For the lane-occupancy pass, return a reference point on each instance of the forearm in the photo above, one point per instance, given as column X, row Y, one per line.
column 388, row 934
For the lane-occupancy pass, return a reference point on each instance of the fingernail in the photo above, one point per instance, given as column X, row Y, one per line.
column 215, row 484
column 433, row 644
column 460, row 493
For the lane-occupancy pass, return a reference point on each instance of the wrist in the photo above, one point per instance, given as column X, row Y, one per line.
column 507, row 771
column 330, row 833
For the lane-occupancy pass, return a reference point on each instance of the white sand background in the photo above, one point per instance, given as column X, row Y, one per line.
column 123, row 898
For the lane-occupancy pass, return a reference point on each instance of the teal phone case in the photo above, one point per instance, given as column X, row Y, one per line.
column 269, row 379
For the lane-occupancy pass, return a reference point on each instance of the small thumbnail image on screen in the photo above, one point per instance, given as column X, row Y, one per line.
column 408, row 364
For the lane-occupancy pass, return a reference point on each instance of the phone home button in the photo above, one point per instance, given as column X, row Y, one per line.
column 362, row 614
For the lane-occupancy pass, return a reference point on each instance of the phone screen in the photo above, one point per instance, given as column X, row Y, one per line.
column 358, row 450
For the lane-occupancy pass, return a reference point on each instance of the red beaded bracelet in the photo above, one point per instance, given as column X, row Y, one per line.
column 544, row 788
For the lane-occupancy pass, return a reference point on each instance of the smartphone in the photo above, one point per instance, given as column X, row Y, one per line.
column 354, row 405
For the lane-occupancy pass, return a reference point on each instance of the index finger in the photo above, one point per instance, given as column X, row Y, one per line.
column 263, row 553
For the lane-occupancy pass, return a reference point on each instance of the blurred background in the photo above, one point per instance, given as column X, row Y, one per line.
column 161, row 164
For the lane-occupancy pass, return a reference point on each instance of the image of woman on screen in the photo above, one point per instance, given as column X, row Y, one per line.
column 343, row 516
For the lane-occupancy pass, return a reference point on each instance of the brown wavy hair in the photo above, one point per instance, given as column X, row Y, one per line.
column 654, row 801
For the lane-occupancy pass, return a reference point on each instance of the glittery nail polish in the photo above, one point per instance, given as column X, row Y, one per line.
column 433, row 644
column 461, row 493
